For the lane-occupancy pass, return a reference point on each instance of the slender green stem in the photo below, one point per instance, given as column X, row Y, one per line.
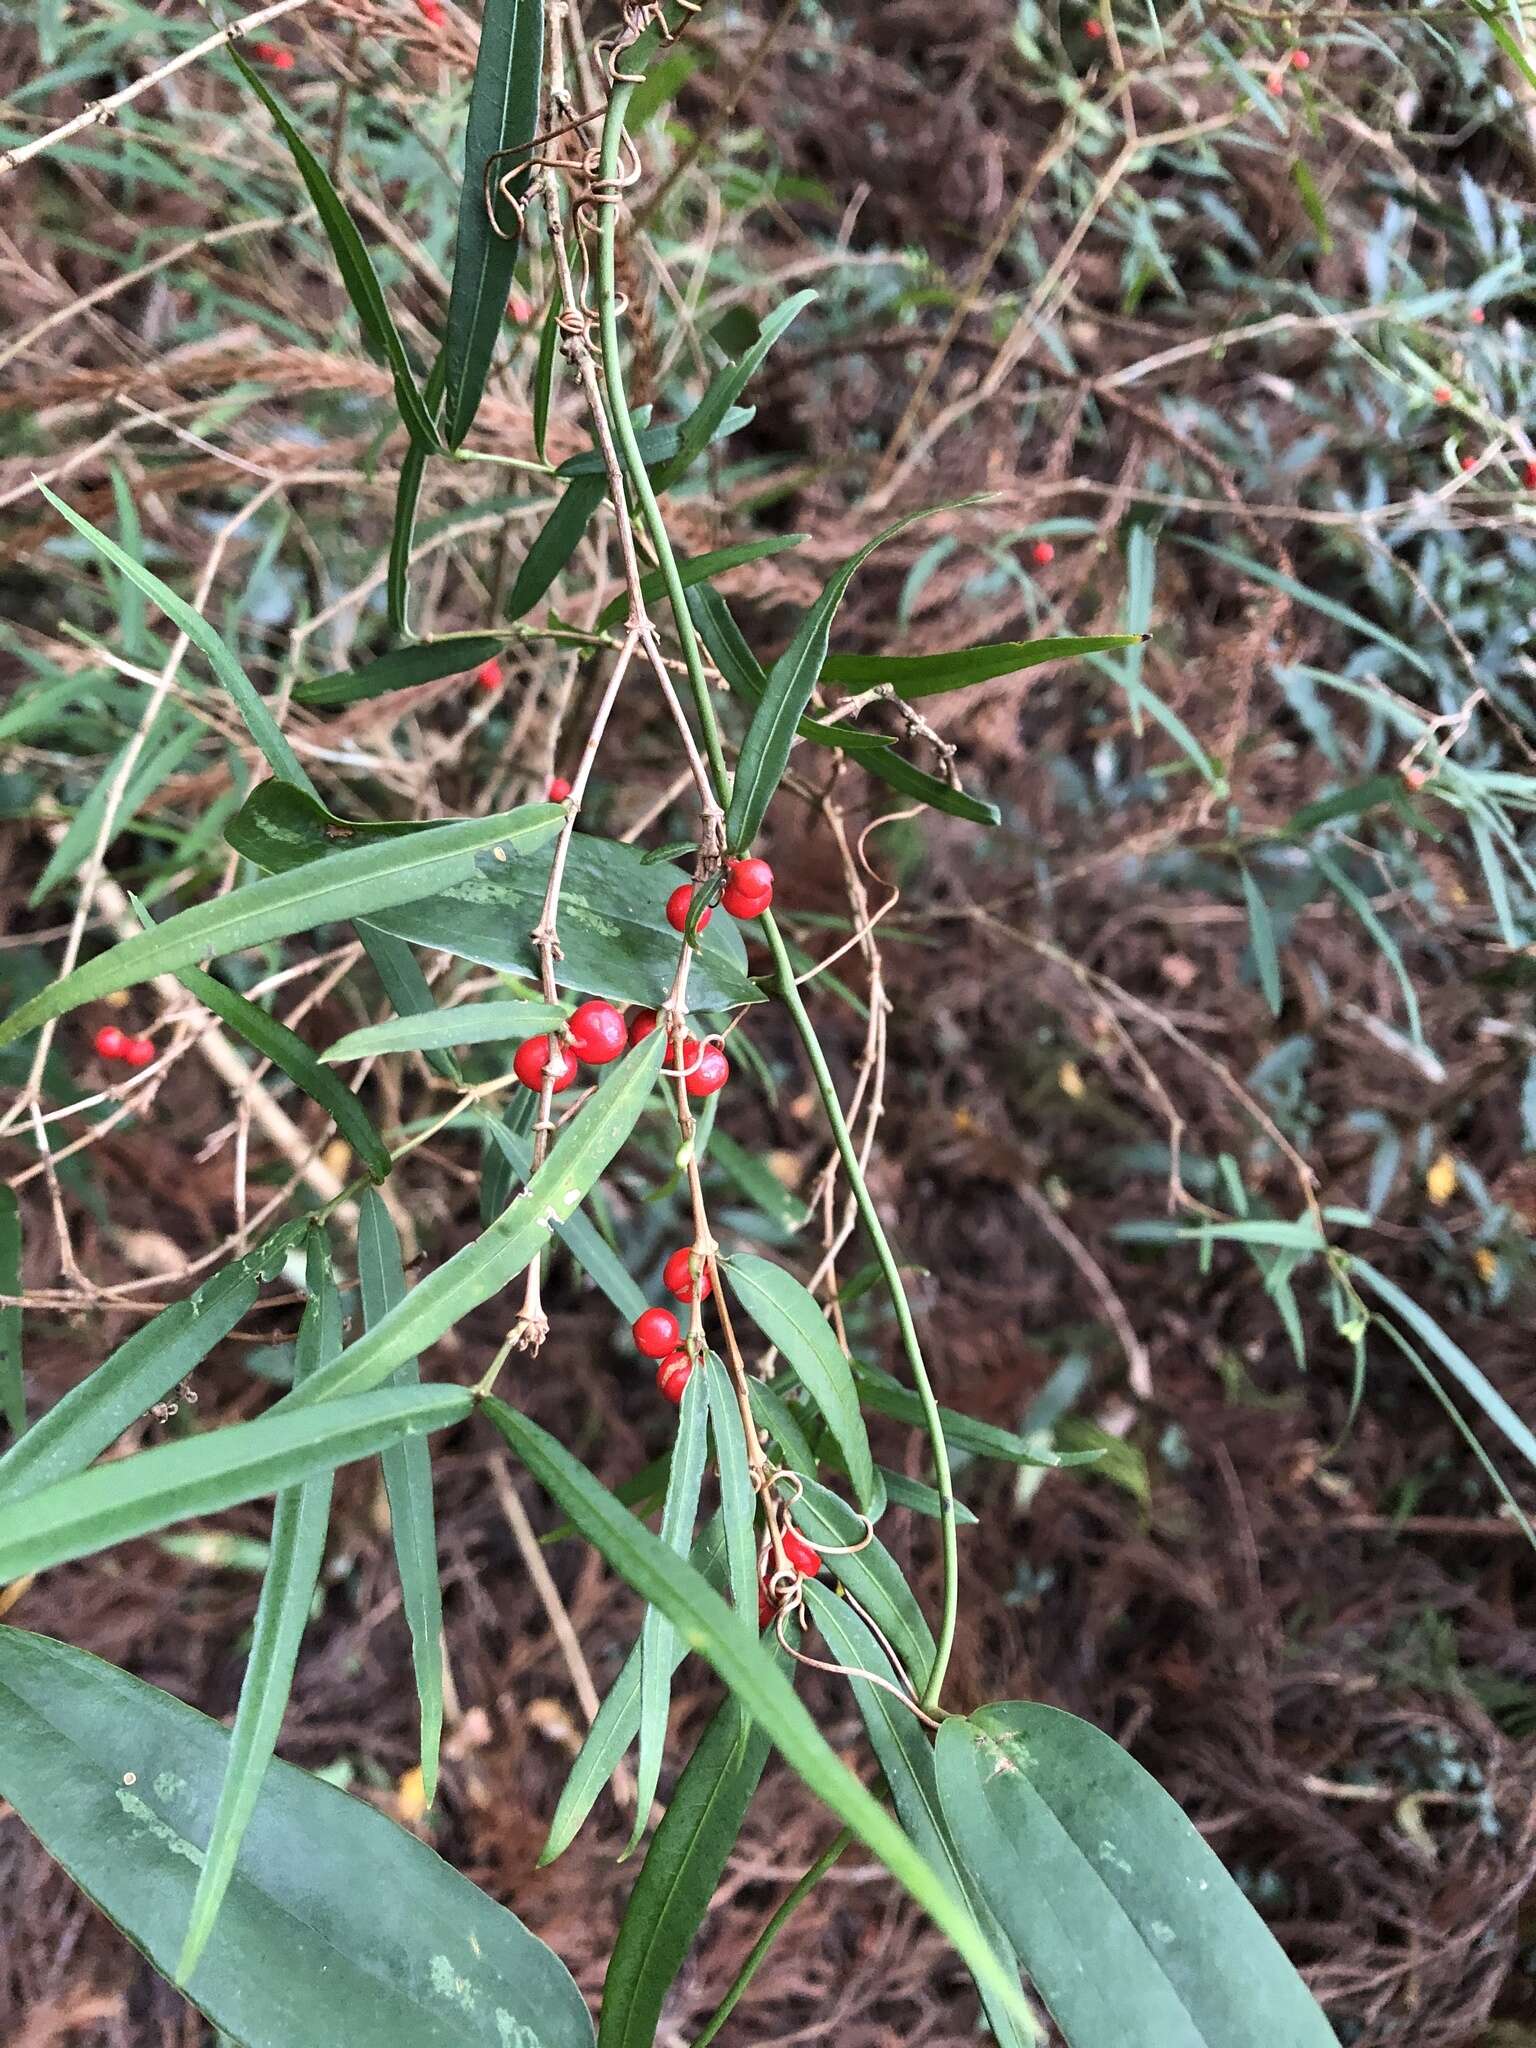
column 842, row 1137
column 793, row 1899
column 645, row 496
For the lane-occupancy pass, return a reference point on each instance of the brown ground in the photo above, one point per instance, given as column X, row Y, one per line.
column 1318, row 1640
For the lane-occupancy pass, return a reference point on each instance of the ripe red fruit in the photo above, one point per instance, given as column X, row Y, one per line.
column 597, row 1033
column 532, row 1057
column 432, row 11
column 110, row 1043
column 519, row 309
column 677, row 909
column 705, row 1068
column 678, row 1279
column 641, row 1025
column 1094, row 29
column 1300, row 61
column 805, row 1557
column 1477, row 316
column 656, row 1332
column 1469, row 462
column 1529, row 476
column 749, row 891
column 559, row 789
column 1275, row 84
column 765, row 1607
column 743, row 904
column 1443, row 394
column 488, row 675
column 273, row 54
column 1042, row 552
column 138, row 1052
column 674, row 1373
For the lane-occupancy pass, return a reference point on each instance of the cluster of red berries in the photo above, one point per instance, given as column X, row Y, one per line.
column 275, row 54
column 594, row 1032
column 112, row 1044
column 705, row 1068
column 657, row 1332
column 748, row 894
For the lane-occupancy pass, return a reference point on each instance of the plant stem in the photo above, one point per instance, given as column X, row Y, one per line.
column 792, row 1901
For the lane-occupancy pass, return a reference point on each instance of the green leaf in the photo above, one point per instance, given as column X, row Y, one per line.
column 258, row 720
column 872, row 1576
column 338, row 1926
column 618, row 1718
column 773, row 1413
column 13, row 1393
column 158, row 1356
column 656, row 444
column 464, row 1024
column 932, row 790
column 1361, row 905
column 1261, row 935
column 544, row 376
column 761, row 1186
column 679, row 1512
column 730, row 1644
column 905, row 1757
column 764, row 751
column 413, row 468
column 503, row 115
column 924, row 675
column 347, row 884
column 1307, row 594
column 582, row 1151
column 738, row 1502
column 614, row 934
column 694, row 569
column 920, row 1498
column 81, row 833
column 1132, row 1931
column 354, row 263
column 704, row 422
column 300, row 1517
column 406, row 987
column 555, row 542
column 581, row 1238
column 408, row 1483
column 200, row 1475
column 274, row 1041
column 1312, row 200
column 886, row 1396
column 682, row 1867
column 789, row 1317
column 425, row 661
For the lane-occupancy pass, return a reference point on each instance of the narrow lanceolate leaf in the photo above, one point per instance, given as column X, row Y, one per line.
column 765, row 750
column 581, row 1152
column 408, row 990
column 413, row 468
column 348, row 884
column 618, row 1718
column 408, row 1481
column 300, row 1517
column 614, row 937
column 274, row 1041
column 1261, row 937
column 354, row 263
column 682, row 1867
column 730, row 1644
column 920, row 1498
column 738, row 1502
column 544, row 376
column 904, row 1752
column 656, row 444
column 702, row 424
column 581, row 1238
column 200, row 1475
column 872, row 1576
column 924, row 675
column 338, row 1926
column 1132, row 1931
column 901, row 775
column 555, row 542
column 156, row 1358
column 695, row 569
column 425, row 661
column 13, row 1397
column 789, row 1317
column 886, row 1396
column 503, row 115
column 465, row 1024
column 678, row 1514
column 258, row 720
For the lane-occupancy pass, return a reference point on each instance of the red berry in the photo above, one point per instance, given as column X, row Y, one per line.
column 110, row 1043
column 559, row 789
column 641, row 1025
column 1469, row 462
column 656, row 1332
column 138, row 1052
column 705, row 1068
column 597, row 1033
column 1529, row 476
column 765, row 1607
column 273, row 54
column 432, row 11
column 1275, row 84
column 1443, row 394
column 1477, row 316
column 283, row 61
column 754, row 877
column 519, row 309
column 677, row 909
column 674, row 1373
column 677, row 1276
column 1300, row 61
column 1094, row 30
column 805, row 1557
column 1042, row 552
column 743, row 904
column 532, row 1057
column 488, row 675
